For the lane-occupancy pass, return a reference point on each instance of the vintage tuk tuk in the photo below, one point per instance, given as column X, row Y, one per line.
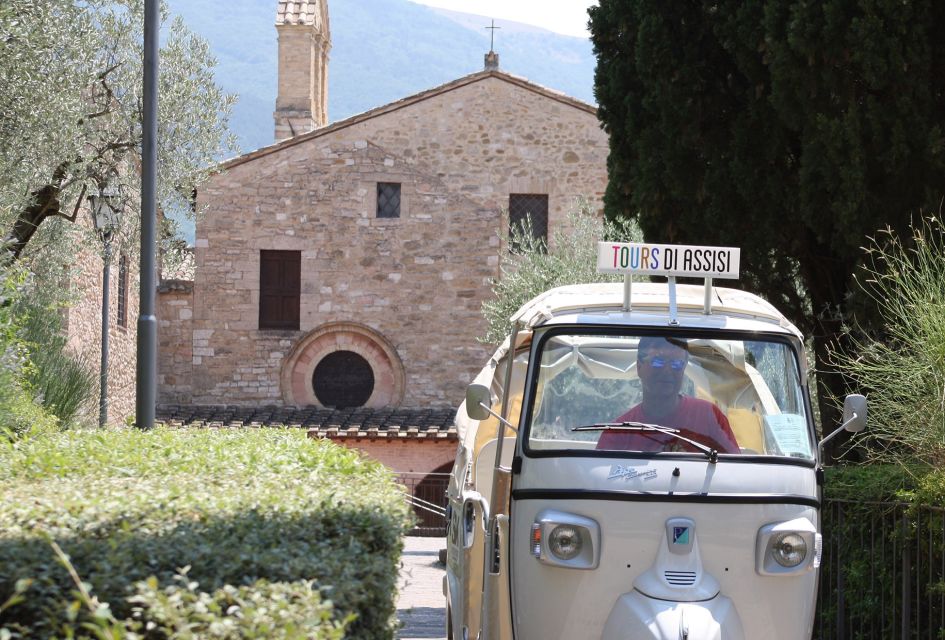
column 639, row 461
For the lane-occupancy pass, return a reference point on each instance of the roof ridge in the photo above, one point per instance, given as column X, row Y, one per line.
column 404, row 102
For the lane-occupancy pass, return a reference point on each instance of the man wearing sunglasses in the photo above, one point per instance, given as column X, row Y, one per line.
column 661, row 367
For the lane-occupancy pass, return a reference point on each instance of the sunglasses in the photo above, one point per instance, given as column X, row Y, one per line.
column 658, row 362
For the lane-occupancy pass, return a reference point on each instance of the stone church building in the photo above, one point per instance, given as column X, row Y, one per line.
column 340, row 271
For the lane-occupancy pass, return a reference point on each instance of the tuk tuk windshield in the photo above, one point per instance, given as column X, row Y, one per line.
column 665, row 393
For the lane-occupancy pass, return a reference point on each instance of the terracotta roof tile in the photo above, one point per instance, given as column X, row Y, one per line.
column 336, row 424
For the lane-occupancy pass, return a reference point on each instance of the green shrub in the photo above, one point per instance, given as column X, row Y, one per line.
column 20, row 414
column 873, row 483
column 902, row 368
column 878, row 522
column 236, row 506
column 64, row 383
column 265, row 610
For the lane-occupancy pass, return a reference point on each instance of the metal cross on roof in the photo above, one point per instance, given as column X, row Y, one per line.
column 492, row 35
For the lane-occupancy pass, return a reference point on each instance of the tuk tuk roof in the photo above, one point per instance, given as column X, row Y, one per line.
column 603, row 302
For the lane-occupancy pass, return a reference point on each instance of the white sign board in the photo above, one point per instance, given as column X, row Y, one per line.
column 668, row 260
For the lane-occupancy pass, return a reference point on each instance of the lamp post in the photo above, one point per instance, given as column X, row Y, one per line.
column 104, row 206
column 146, row 379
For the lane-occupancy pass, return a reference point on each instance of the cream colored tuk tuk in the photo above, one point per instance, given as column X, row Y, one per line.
column 639, row 461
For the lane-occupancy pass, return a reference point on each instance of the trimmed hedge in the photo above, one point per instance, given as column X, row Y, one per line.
column 873, row 482
column 243, row 510
column 883, row 533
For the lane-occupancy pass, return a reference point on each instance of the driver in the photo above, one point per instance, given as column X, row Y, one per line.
column 661, row 365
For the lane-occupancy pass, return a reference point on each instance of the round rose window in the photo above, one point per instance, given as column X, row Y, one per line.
column 343, row 379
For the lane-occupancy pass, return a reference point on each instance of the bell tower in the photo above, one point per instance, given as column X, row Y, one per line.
column 304, row 43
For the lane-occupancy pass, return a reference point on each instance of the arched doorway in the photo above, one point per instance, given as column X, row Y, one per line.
column 430, row 500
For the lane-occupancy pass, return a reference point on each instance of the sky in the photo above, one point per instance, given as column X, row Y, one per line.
column 561, row 16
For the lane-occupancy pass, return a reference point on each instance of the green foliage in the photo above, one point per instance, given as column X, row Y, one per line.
column 902, row 366
column 46, row 50
column 20, row 415
column 63, row 383
column 262, row 610
column 532, row 268
column 878, row 521
column 70, row 99
column 873, row 483
column 238, row 507
column 790, row 129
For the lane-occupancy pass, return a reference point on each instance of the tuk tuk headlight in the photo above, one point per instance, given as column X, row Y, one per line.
column 787, row 548
column 565, row 540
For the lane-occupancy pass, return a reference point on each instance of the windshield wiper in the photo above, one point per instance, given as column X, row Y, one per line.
column 711, row 453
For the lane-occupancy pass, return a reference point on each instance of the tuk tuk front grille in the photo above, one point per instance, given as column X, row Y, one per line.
column 680, row 578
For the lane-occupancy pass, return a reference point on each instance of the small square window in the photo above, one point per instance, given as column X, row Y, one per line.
column 388, row 199
column 532, row 207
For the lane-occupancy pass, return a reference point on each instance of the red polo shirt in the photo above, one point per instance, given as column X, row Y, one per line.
column 696, row 419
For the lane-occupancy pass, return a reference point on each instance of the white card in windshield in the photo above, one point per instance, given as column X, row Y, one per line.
column 790, row 432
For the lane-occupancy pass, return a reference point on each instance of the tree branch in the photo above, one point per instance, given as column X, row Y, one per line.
column 109, row 94
column 44, row 204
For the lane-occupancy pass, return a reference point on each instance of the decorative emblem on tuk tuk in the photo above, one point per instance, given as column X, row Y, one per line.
column 629, row 473
column 680, row 534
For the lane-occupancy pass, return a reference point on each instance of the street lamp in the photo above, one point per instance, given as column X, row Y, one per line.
column 105, row 207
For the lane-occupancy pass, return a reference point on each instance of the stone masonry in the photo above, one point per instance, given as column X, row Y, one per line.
column 174, row 309
column 404, row 292
column 304, row 43
column 82, row 321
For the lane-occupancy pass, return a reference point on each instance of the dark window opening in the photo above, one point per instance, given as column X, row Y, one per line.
column 280, row 280
column 343, row 379
column 388, row 199
column 532, row 207
column 123, row 291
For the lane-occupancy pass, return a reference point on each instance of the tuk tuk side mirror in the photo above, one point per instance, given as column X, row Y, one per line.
column 854, row 418
column 854, row 413
column 478, row 399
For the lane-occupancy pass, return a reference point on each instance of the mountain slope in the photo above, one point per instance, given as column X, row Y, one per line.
column 382, row 50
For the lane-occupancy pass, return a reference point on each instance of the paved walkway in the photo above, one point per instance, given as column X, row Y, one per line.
column 421, row 606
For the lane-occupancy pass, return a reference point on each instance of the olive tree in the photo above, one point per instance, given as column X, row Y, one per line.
column 529, row 268
column 71, row 111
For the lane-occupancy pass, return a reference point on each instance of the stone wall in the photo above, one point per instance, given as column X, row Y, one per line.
column 174, row 310
column 418, row 281
column 83, row 323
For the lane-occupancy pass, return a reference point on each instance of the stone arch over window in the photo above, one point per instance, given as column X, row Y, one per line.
column 357, row 342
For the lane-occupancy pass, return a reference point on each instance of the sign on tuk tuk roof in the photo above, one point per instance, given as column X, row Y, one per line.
column 668, row 260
